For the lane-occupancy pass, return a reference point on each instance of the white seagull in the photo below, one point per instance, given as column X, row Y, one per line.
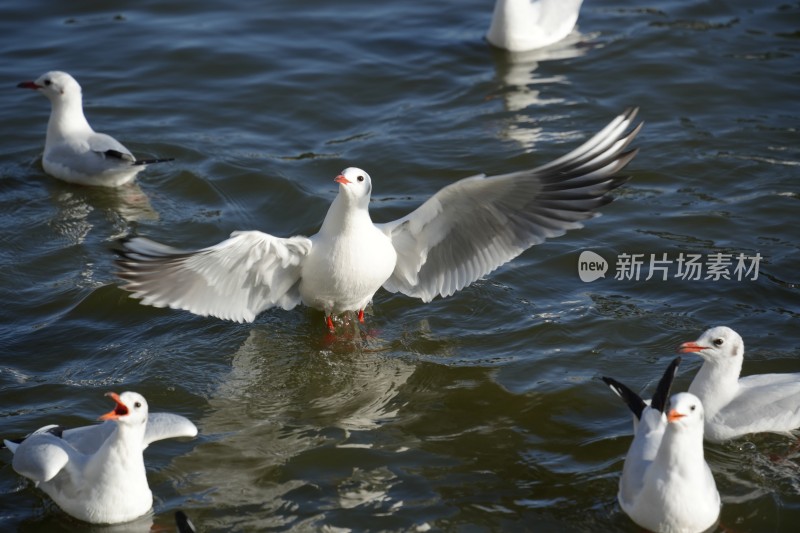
column 96, row 473
column 462, row 233
column 734, row 406
column 521, row 25
column 666, row 484
column 73, row 151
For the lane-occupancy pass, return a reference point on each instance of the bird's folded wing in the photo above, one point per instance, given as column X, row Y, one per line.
column 765, row 402
column 108, row 146
column 642, row 452
column 475, row 225
column 234, row 280
column 41, row 456
column 167, row 426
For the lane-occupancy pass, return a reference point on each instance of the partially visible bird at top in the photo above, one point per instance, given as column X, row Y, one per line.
column 463, row 232
column 73, row 151
column 521, row 25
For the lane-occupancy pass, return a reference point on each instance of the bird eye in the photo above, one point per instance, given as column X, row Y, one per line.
column 360, row 178
column 47, row 82
column 137, row 405
column 693, row 407
column 718, row 342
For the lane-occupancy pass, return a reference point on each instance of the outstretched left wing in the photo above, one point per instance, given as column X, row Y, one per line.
column 477, row 224
column 167, row 426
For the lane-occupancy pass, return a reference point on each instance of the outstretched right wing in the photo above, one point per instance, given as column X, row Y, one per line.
column 41, row 456
column 234, row 280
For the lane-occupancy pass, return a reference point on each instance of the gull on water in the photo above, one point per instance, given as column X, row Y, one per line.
column 96, row 473
column 737, row 406
column 666, row 484
column 521, row 25
column 73, row 151
column 463, row 232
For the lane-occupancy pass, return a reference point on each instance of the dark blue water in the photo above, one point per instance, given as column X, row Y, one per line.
column 479, row 412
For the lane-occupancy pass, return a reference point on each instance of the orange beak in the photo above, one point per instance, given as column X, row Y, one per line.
column 674, row 415
column 690, row 347
column 120, row 410
column 341, row 179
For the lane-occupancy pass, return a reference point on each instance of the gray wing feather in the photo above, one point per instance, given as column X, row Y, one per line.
column 765, row 402
column 108, row 146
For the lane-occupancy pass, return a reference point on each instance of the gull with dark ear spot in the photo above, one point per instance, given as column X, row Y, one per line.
column 73, row 151
column 460, row 234
column 96, row 473
column 737, row 406
column 666, row 485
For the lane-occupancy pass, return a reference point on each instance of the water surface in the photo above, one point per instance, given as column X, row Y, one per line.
column 480, row 412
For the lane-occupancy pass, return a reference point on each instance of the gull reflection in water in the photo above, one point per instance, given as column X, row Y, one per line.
column 289, row 419
column 76, row 206
column 523, row 87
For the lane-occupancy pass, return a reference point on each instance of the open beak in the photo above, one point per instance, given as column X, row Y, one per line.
column 674, row 415
column 120, row 410
column 341, row 179
column 690, row 347
column 28, row 85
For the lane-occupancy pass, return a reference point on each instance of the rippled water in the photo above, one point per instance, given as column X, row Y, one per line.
column 482, row 411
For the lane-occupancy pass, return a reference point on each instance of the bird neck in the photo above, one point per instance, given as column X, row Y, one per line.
column 681, row 450
column 716, row 383
column 346, row 215
column 121, row 452
column 66, row 117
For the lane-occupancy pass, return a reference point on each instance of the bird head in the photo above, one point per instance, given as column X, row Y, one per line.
column 355, row 184
column 716, row 345
column 685, row 410
column 55, row 85
column 131, row 408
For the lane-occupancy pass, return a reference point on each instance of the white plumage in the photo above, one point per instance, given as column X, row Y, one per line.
column 666, row 484
column 96, row 473
column 737, row 406
column 522, row 25
column 73, row 151
column 465, row 231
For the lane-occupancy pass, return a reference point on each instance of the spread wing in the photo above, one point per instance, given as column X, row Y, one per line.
column 477, row 224
column 41, row 456
column 234, row 280
column 167, row 426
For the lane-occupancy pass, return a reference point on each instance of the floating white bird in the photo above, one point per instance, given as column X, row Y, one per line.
column 73, row 151
column 520, row 25
column 462, row 233
column 96, row 473
column 734, row 406
column 666, row 484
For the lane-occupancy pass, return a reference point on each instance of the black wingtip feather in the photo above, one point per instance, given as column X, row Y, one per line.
column 140, row 162
column 634, row 402
column 661, row 396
